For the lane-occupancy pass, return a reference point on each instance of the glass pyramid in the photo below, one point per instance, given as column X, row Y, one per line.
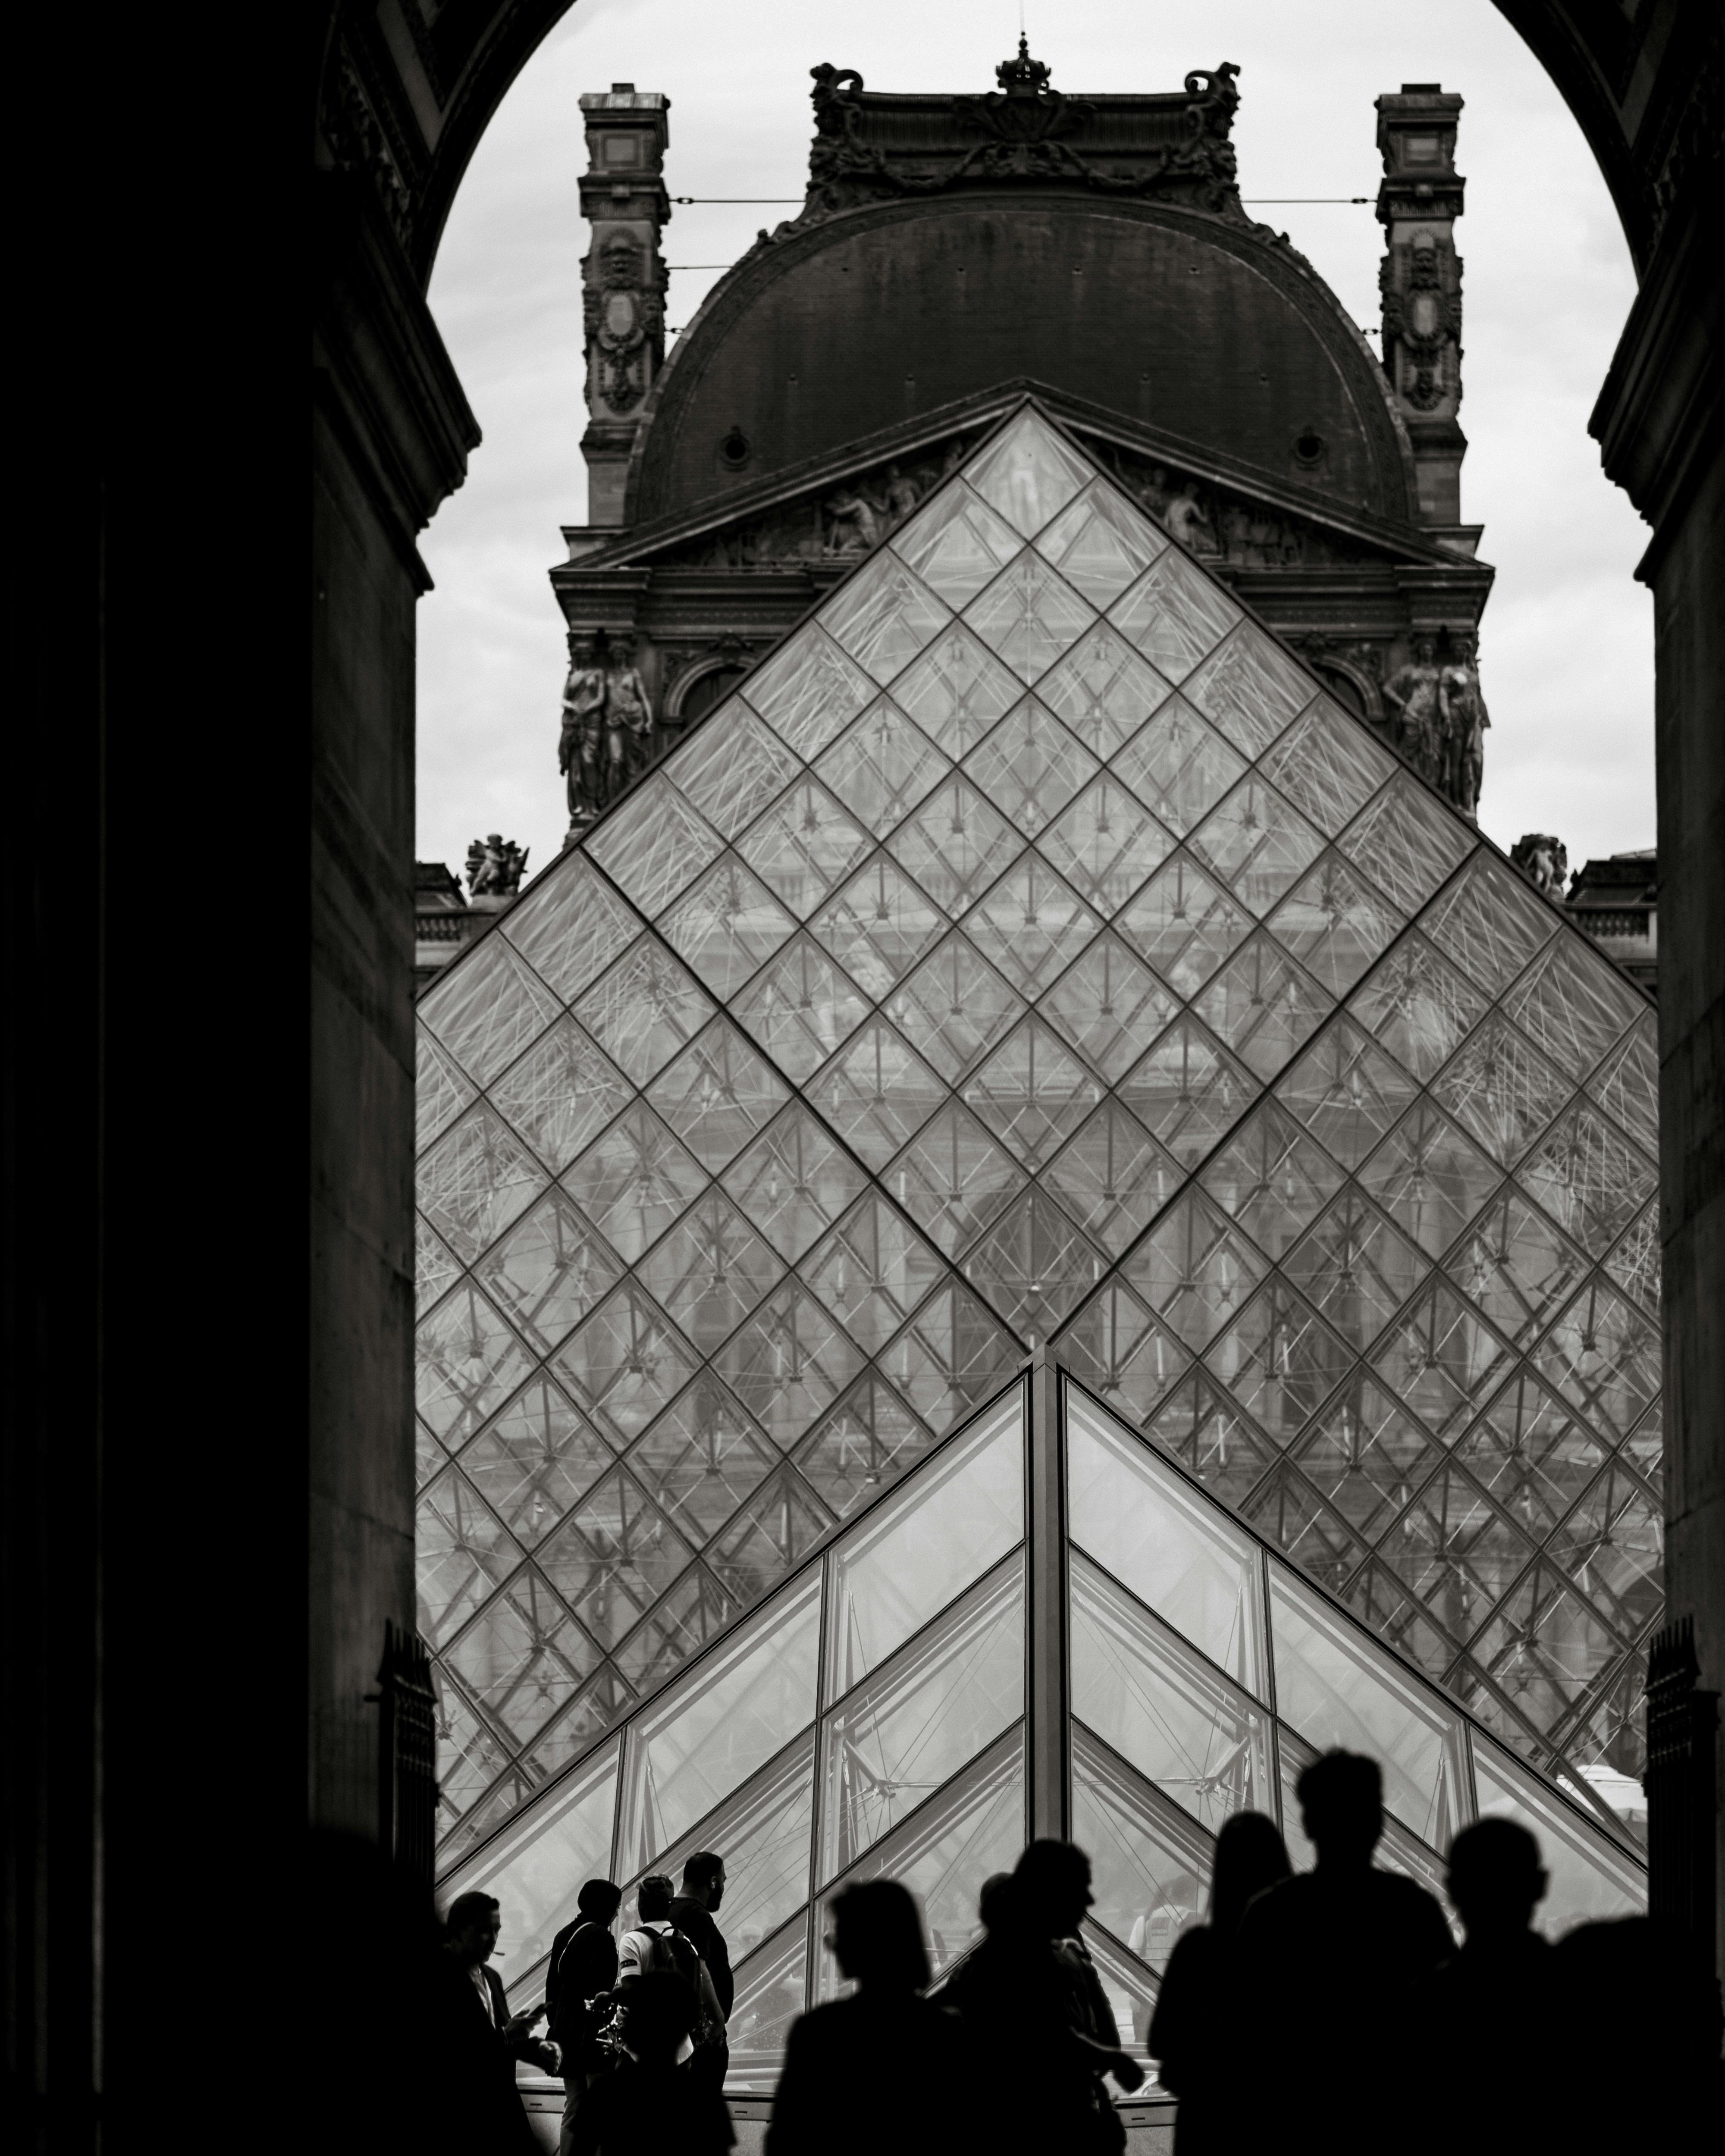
column 1028, row 956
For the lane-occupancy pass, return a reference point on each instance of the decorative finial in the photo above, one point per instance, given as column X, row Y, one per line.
column 1023, row 77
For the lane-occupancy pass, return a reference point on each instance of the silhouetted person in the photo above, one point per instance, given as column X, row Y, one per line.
column 692, row 1913
column 1194, row 2005
column 1039, row 2021
column 647, row 2105
column 470, row 2042
column 583, row 1967
column 1327, row 1966
column 884, row 2070
column 1645, row 2008
column 655, row 1944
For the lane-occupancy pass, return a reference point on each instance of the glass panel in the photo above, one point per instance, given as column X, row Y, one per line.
column 1396, row 1850
column 1489, row 922
column 644, row 1010
column 701, row 1459
column 1572, row 1004
column 625, row 1363
column 1032, row 1092
column 549, row 1270
column 957, row 689
column 599, row 1705
column 1195, row 1270
column 952, row 1354
column 727, row 927
column 1588, row 1878
column 1033, row 1265
column 1263, row 1006
column 462, row 1552
column 1106, row 844
column 1501, row 1090
column 913, row 1555
column 1030, row 767
column 635, row 1182
column 1543, row 1651
column 1626, row 1084
column 1407, row 842
column 911, row 1727
column 1367, row 1456
column 470, row 1757
column 475, row 1180
column 1150, row 1865
column 954, row 1178
column 1289, row 1515
column 731, row 768
column 1346, row 1090
column 1189, row 1091
column 773, row 1534
column 485, row 1008
column 1028, row 616
column 883, row 615
column 1179, row 765
column 872, row 1271
column 652, row 843
column 1337, row 1688
column 1251, row 688
column 1613, row 1545
column 1357, row 1269
column 429, row 1456
column 441, row 1091
column 1441, row 1359
column 956, row 844
column 883, row 767
column 800, row 1007
column 1112, row 1177
column 1335, row 924
column 875, row 1094
column 614, row 1556
column 1163, row 1708
column 804, row 845
column 788, row 1363
column 434, row 1266
column 1174, row 614
column 719, row 1724
column 467, row 1363
column 523, row 1656
column 538, row 1866
column 1635, row 1265
column 1531, row 1454
column 710, row 1271
column 1170, row 1547
column 678, row 1626
column 1278, row 1360
column 1258, row 843
column 718, row 1093
column 1027, row 473
column 1603, row 1355
column 1103, row 690
column 770, row 1995
column 1516, row 1266
column 1588, row 1177
column 763, row 1833
column 1428, row 1178
column 971, row 1828
column 1109, row 1004
column 867, row 1442
column 1382, row 1603
column 561, row 1092
column 953, row 1006
column 570, row 926
column 1329, row 765
column 878, row 925
column 1120, row 1351
column 1130, row 1989
column 1206, row 1430
column 1185, row 925
column 794, row 1183
column 1271, row 1178
column 1031, row 925
column 956, row 543
column 808, row 689
column 1100, row 544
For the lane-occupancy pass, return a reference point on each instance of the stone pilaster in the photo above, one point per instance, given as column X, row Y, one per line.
column 623, row 198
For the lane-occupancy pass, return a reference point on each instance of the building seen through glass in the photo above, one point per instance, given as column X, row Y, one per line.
column 1058, row 934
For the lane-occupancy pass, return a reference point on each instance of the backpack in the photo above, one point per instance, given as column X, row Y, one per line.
column 674, row 1949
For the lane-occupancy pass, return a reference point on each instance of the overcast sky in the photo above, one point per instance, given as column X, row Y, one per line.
column 1567, row 646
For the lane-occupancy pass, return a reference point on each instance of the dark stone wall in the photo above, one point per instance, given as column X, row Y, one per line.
column 1215, row 333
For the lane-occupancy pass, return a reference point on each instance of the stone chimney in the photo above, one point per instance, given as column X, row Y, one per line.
column 1420, row 279
column 624, row 200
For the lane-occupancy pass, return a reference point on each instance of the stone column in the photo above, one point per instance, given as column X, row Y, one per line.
column 1420, row 281
column 622, row 198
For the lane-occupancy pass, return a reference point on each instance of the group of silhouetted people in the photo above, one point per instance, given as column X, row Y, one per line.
column 1329, row 2010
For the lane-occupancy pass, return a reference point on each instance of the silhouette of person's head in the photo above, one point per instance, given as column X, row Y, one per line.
column 994, row 1903
column 1496, row 1878
column 661, row 2013
column 1051, row 1889
column 704, row 1879
column 600, row 1899
column 1250, row 1855
column 653, row 1898
column 471, row 1928
column 876, row 1938
column 1341, row 1806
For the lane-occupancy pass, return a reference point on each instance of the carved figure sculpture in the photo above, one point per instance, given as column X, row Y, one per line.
column 856, row 523
column 1465, row 720
column 495, row 866
column 902, row 494
column 1412, row 694
column 629, row 717
column 581, row 744
column 1185, row 519
column 1543, row 859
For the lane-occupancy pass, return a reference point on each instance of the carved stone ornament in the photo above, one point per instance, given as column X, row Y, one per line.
column 495, row 867
column 1543, row 859
column 621, row 315
column 607, row 734
column 1422, row 321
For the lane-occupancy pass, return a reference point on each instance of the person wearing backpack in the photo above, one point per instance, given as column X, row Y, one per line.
column 657, row 1944
column 583, row 1967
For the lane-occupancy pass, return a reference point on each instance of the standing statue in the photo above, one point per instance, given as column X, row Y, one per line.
column 1465, row 721
column 1543, row 860
column 582, row 741
column 858, row 526
column 1185, row 519
column 902, row 494
column 1412, row 691
column 495, row 867
column 628, row 717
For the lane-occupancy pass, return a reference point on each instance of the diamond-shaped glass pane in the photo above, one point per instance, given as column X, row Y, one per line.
column 486, row 1007
column 1429, row 1178
column 1106, row 843
column 468, row 1362
column 1288, row 1513
column 524, row 1655
column 875, row 1093
column 949, row 1358
column 1031, row 925
column 1033, row 1265
column 1185, row 923
column 775, row 1530
column 1489, row 922
column 1027, row 473
column 644, row 1010
column 1174, row 614
column 956, row 844
column 731, row 768
column 953, row 1178
column 549, row 1271
column 1099, row 543
column 475, row 1180
column 1208, row 1429
column 1329, row 765
column 627, row 1362
column 1279, row 1360
column 719, row 1092
column 1251, row 687
column 635, row 1182
column 1257, row 844
column 1189, row 1091
column 463, row 1552
column 957, row 689
column 441, row 1090
column 804, row 845
column 533, row 1461
column 1418, row 1005
column 570, row 926
column 953, row 1006
column 1572, row 1004
column 1366, row 1455
column 1501, row 1089
column 727, row 926
column 789, row 1363
column 1515, row 1265
column 1334, row 923
column 878, row 926
column 865, row 1445
column 1109, row 1004
column 1356, row 1268
column 1113, row 1177
column 1439, row 1359
column 800, row 1007
column 1102, row 690
column 808, row 689
column 1407, row 842
column 701, row 1460
column 1195, row 1270
column 1271, row 1178
column 1179, row 765
column 1263, row 1006
column 710, row 1271
column 883, row 615
column 1126, row 1357
column 434, row 1266
column 1032, row 1092
column 1346, row 1090
column 956, row 543
column 1626, row 1084
column 1603, row 1355
column 695, row 1610
column 1531, row 1454
column 872, row 1271
column 794, row 1181
column 1613, row 1547
column 1635, row 1264
column 562, row 1091
column 1030, row 767
column 1028, row 616
column 882, row 768
column 1589, row 1179
column 654, row 844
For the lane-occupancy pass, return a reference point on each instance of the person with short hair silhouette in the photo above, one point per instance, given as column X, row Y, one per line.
column 884, row 2069
column 583, row 1967
column 1327, row 1965
column 470, row 2041
column 692, row 1913
column 656, row 1943
column 1194, row 2007
column 647, row 2107
column 1645, row 2012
